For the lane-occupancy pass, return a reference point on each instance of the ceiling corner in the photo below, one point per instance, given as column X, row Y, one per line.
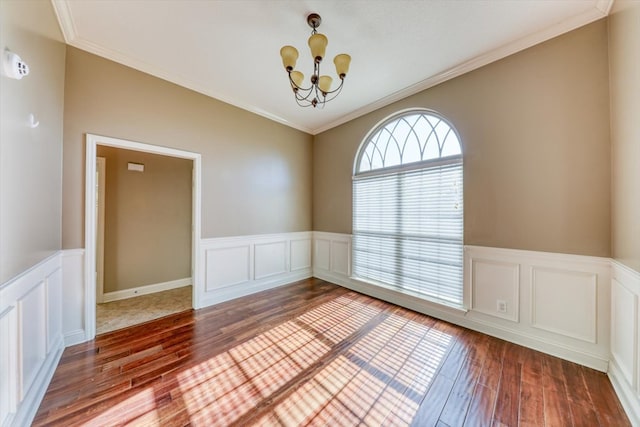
column 605, row 6
column 65, row 20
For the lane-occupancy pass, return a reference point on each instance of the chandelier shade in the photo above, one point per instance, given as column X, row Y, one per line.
column 289, row 57
column 318, row 92
column 342, row 62
column 297, row 77
column 325, row 84
column 318, row 45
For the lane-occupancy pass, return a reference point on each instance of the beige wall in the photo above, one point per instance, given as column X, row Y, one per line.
column 256, row 174
column 535, row 134
column 147, row 219
column 624, row 57
column 30, row 159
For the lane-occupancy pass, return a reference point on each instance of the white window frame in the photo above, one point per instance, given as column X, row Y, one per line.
column 400, row 169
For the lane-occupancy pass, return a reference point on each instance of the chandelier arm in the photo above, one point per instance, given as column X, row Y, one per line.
column 307, row 95
column 338, row 89
column 304, row 94
column 309, row 104
column 330, row 96
column 304, row 98
column 294, row 85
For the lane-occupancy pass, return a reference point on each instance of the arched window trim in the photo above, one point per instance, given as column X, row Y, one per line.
column 440, row 161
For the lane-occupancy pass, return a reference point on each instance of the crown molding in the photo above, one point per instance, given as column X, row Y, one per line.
column 65, row 19
column 600, row 11
column 605, row 6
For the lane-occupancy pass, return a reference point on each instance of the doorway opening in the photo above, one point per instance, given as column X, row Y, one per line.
column 95, row 289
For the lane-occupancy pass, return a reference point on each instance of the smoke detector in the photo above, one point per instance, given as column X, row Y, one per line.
column 13, row 66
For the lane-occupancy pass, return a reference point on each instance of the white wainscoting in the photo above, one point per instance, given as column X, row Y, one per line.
column 504, row 280
column 624, row 367
column 73, row 289
column 31, row 339
column 331, row 256
column 561, row 302
column 583, row 309
column 555, row 303
column 238, row 266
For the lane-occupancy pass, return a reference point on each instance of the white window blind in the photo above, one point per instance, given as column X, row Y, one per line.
column 407, row 208
column 408, row 231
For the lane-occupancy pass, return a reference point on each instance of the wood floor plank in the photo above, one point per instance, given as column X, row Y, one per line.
column 480, row 413
column 508, row 397
column 576, row 387
column 531, row 404
column 313, row 353
column 557, row 410
column 433, row 403
column 455, row 410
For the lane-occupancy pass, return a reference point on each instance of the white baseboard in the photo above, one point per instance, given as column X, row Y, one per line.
column 145, row 290
column 75, row 337
column 629, row 398
column 237, row 291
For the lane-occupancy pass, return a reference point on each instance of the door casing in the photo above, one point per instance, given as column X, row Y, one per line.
column 90, row 217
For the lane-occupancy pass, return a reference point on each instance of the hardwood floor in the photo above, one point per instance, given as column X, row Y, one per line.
column 313, row 353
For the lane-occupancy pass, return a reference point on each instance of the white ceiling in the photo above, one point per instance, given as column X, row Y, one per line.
column 229, row 49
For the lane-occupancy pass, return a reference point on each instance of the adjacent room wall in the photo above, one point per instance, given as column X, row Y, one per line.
column 30, row 159
column 147, row 219
column 256, row 174
column 535, row 133
column 624, row 56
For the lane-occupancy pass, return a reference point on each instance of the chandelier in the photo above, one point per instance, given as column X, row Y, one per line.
column 320, row 91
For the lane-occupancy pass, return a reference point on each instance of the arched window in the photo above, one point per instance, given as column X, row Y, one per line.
column 407, row 207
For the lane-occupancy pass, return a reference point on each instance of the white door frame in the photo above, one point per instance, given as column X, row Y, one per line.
column 92, row 141
column 101, row 169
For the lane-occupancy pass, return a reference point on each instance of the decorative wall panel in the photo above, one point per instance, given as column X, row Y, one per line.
column 564, row 302
column 300, row 254
column 341, row 257
column 31, row 341
column 32, row 330
column 270, row 259
column 624, row 367
column 322, row 254
column 227, row 266
column 496, row 288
